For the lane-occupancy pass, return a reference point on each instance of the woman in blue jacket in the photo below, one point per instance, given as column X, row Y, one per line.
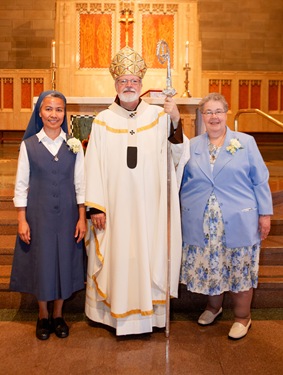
column 226, row 206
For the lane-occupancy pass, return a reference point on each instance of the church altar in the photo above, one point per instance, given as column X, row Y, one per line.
column 88, row 107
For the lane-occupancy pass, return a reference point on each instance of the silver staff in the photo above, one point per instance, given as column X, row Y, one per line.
column 163, row 54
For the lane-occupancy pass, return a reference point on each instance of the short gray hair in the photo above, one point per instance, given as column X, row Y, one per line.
column 214, row 96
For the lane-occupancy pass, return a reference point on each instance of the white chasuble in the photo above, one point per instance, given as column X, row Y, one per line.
column 126, row 177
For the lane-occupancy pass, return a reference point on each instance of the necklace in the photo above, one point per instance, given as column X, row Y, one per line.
column 214, row 149
column 213, row 152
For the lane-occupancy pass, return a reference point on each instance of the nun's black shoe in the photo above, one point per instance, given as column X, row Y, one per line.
column 43, row 329
column 60, row 327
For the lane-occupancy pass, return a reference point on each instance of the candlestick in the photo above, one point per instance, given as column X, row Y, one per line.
column 53, row 65
column 53, row 77
column 186, row 93
column 53, row 60
column 187, row 53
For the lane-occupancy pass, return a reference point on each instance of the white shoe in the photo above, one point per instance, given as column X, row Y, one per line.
column 207, row 317
column 238, row 330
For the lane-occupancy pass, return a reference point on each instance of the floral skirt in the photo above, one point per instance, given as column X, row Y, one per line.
column 216, row 268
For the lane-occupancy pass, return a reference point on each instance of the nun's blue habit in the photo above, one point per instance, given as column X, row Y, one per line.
column 51, row 266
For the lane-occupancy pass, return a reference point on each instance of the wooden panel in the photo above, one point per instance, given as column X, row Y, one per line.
column 214, row 85
column 273, row 95
column 255, row 94
column 38, row 86
column 243, row 94
column 188, row 125
column 8, row 96
column 18, row 86
column 250, row 90
column 25, row 93
column 281, row 96
column 226, row 91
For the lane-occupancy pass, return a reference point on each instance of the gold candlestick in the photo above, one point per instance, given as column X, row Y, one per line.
column 186, row 93
column 53, row 76
column 53, row 65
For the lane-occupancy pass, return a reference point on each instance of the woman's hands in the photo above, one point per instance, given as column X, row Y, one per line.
column 24, row 231
column 23, row 226
column 81, row 224
column 264, row 226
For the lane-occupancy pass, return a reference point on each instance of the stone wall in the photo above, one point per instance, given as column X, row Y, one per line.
column 241, row 35
column 235, row 35
column 26, row 31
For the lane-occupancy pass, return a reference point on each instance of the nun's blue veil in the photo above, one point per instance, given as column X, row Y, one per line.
column 35, row 123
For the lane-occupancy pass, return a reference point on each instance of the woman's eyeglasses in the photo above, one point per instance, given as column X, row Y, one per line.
column 218, row 112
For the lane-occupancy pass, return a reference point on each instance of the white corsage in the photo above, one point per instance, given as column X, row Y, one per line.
column 234, row 146
column 74, row 145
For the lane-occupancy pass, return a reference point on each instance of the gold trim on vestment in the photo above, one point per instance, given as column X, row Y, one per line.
column 87, row 242
column 112, row 130
column 155, row 122
column 103, row 295
column 93, row 299
column 126, row 314
column 97, row 206
column 132, row 312
column 97, row 247
column 159, row 302
column 99, row 291
column 124, row 131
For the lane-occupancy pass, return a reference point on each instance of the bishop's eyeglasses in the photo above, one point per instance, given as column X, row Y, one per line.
column 123, row 82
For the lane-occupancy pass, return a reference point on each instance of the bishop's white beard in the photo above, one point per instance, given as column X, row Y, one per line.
column 128, row 97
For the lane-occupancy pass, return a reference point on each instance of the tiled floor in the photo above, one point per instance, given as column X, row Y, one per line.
column 190, row 349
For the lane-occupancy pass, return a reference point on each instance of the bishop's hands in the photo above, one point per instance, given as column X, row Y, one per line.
column 170, row 107
column 98, row 221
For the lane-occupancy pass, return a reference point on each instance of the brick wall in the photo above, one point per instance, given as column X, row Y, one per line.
column 235, row 35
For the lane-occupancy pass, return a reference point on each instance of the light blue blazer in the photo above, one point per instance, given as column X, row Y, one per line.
column 240, row 183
